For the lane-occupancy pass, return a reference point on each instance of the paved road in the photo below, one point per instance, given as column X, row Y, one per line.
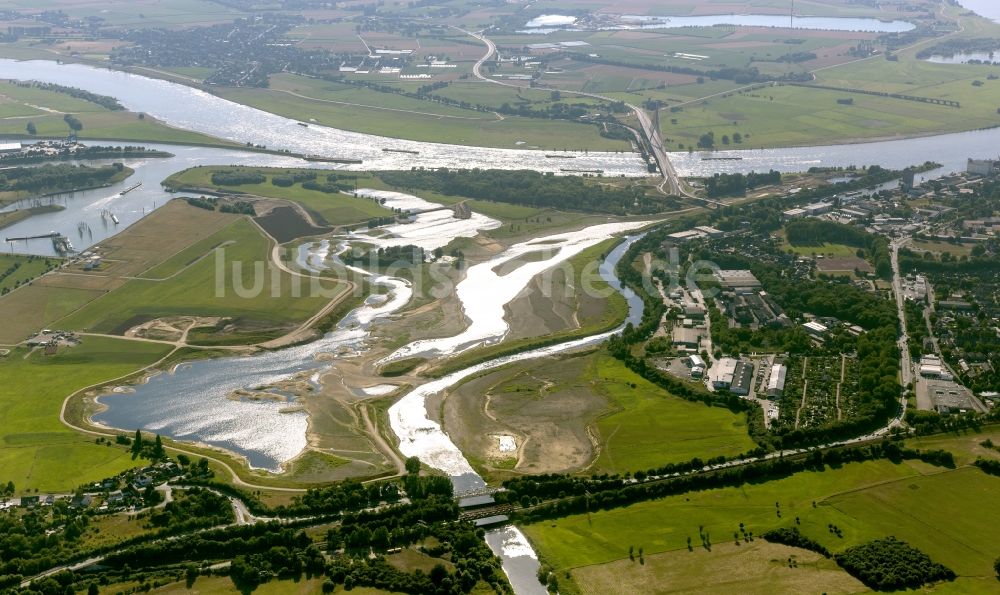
column 905, row 363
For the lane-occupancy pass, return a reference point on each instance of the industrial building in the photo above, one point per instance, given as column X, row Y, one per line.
column 776, row 381
column 736, row 278
column 742, row 379
column 723, row 371
column 816, row 329
column 686, row 337
column 983, row 167
column 710, row 232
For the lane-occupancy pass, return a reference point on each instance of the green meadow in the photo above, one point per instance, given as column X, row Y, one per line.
column 268, row 305
column 947, row 513
column 37, row 452
column 334, row 209
column 650, row 427
column 422, row 122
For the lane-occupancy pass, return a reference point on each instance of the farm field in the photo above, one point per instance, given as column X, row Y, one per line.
column 332, row 209
column 758, row 568
column 126, row 12
column 36, row 450
column 865, row 500
column 198, row 291
column 60, row 293
column 651, row 428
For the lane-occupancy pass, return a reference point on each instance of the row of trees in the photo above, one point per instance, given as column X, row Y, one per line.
column 569, row 495
column 104, row 101
column 529, row 188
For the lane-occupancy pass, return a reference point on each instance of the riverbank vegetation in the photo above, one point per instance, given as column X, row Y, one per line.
column 18, row 182
column 328, row 203
column 591, row 315
column 529, row 188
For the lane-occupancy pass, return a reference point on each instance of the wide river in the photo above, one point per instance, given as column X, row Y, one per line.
column 188, row 108
column 191, row 109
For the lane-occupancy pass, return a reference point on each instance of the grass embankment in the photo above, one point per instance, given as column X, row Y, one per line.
column 45, row 109
column 36, row 450
column 261, row 301
column 332, row 209
column 594, row 321
column 940, row 511
column 650, row 427
column 362, row 110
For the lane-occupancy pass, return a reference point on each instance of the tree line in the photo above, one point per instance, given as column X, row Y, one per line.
column 563, row 495
column 104, row 101
column 528, row 188
column 738, row 184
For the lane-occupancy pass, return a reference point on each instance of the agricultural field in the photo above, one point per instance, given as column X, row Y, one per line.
column 198, row 290
column 758, row 568
column 45, row 109
column 145, row 13
column 326, row 208
column 37, row 452
column 58, row 294
column 864, row 500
